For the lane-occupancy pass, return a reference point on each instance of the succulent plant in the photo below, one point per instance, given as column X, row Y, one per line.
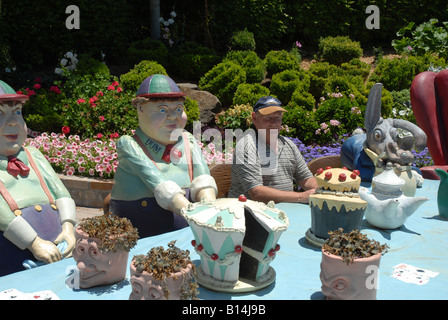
column 163, row 263
column 352, row 245
column 113, row 232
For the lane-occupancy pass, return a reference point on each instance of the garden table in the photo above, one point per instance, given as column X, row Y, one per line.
column 421, row 242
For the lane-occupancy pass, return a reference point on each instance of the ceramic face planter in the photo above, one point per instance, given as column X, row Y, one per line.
column 388, row 207
column 146, row 287
column 356, row 281
column 336, row 204
column 97, row 267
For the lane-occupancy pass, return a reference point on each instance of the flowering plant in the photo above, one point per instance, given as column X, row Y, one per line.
column 70, row 155
column 169, row 34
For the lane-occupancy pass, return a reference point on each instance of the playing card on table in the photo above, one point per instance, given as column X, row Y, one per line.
column 411, row 274
column 14, row 294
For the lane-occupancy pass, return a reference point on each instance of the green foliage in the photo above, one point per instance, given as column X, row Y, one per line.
column 397, row 74
column 302, row 98
column 191, row 108
column 301, row 123
column 223, row 80
column 249, row 93
column 280, row 60
column 132, row 80
column 338, row 116
column 115, row 233
column 148, row 49
column 284, row 83
column 237, row 117
column 107, row 112
column 337, row 50
column 319, row 73
column 428, row 37
column 356, row 67
column 352, row 245
column 192, row 61
column 89, row 65
column 242, row 40
column 251, row 63
column 401, row 108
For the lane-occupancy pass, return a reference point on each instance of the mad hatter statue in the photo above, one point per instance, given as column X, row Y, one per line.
column 161, row 168
column 36, row 210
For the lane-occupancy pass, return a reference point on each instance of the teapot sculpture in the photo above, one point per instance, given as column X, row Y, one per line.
column 387, row 206
column 442, row 194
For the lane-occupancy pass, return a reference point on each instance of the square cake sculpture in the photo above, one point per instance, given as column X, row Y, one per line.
column 236, row 239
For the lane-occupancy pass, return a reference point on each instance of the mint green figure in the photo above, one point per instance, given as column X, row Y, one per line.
column 442, row 194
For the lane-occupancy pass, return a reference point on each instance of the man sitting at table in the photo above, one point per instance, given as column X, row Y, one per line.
column 265, row 163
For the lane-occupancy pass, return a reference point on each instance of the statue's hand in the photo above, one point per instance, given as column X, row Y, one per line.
column 67, row 235
column 45, row 251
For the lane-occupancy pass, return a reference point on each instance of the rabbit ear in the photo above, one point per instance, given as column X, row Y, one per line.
column 373, row 109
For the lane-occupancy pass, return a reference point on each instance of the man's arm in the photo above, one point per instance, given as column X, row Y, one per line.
column 266, row 194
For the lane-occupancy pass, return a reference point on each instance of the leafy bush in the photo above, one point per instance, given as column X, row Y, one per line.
column 237, row 117
column 280, row 60
column 428, row 37
column 89, row 65
column 251, row 63
column 401, row 108
column 284, row 83
column 148, row 49
column 319, row 73
column 192, row 61
column 107, row 112
column 337, row 116
column 242, row 40
column 301, row 98
column 337, row 50
column 191, row 108
column 132, row 80
column 356, row 67
column 249, row 93
column 300, row 122
column 223, row 80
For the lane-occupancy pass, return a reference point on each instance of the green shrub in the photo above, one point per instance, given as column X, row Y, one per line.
column 191, row 108
column 192, row 61
column 401, row 108
column 242, row 40
column 223, row 80
column 251, row 63
column 300, row 122
column 131, row 81
column 303, row 99
column 319, row 73
column 249, row 93
column 337, row 116
column 89, row 65
column 284, row 83
column 397, row 74
column 237, row 117
column 280, row 60
column 337, row 50
column 356, row 67
column 428, row 37
column 148, row 49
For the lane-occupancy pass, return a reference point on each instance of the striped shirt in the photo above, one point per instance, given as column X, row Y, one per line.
column 255, row 164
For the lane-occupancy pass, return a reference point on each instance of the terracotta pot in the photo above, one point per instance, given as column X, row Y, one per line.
column 356, row 281
column 97, row 267
column 145, row 287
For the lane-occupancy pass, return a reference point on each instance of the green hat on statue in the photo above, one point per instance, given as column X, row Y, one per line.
column 159, row 85
column 9, row 94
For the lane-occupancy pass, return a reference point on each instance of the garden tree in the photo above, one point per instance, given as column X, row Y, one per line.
column 154, row 16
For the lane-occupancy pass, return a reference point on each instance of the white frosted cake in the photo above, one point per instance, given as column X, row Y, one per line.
column 236, row 239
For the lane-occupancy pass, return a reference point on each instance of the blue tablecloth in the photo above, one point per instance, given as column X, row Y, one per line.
column 421, row 242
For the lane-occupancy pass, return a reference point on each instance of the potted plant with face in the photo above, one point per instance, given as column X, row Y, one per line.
column 350, row 264
column 163, row 274
column 102, row 249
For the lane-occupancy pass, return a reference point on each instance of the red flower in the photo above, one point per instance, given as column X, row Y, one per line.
column 111, row 87
column 102, row 118
column 99, row 93
column 31, row 93
column 37, row 86
column 119, row 89
column 55, row 89
column 81, row 101
column 65, row 130
column 114, row 135
column 115, row 83
column 19, row 92
column 99, row 135
column 38, row 80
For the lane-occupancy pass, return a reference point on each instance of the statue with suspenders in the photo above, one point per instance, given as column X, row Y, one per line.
column 37, row 213
column 161, row 168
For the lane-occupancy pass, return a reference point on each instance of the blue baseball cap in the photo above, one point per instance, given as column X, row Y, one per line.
column 267, row 105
